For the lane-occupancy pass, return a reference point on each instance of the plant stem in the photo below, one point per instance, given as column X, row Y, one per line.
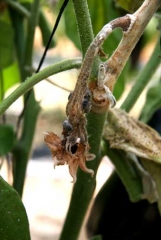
column 84, row 23
column 22, row 149
column 85, row 185
column 30, row 33
column 142, row 80
column 36, row 78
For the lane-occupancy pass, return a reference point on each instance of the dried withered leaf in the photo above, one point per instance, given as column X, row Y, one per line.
column 126, row 133
column 55, row 145
column 61, row 156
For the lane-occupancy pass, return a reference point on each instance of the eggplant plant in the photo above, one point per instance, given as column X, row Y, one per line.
column 108, row 33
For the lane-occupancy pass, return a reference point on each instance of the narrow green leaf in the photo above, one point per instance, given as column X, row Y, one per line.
column 13, row 221
column 70, row 25
column 6, row 139
column 6, row 45
column 153, row 102
column 102, row 12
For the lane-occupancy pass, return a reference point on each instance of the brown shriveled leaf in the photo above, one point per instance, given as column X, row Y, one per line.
column 126, row 133
column 61, row 156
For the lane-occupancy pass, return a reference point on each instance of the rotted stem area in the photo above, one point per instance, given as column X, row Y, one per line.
column 74, row 106
column 131, row 36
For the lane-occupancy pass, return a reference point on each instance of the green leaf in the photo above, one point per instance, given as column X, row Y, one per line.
column 102, row 12
column 14, row 223
column 153, row 102
column 11, row 76
column 70, row 25
column 6, row 139
column 6, row 45
column 130, row 5
column 121, row 81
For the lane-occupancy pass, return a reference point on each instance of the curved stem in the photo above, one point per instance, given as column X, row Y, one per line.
column 36, row 78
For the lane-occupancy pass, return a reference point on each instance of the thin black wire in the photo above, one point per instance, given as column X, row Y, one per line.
column 42, row 59
column 52, row 34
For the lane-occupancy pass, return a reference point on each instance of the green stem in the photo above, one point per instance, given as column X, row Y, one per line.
column 32, row 22
column 105, row 199
column 22, row 149
column 85, row 31
column 142, row 80
column 85, row 185
column 36, row 78
column 84, row 23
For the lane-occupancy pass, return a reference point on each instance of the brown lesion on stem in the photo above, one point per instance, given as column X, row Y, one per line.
column 122, row 22
column 73, row 148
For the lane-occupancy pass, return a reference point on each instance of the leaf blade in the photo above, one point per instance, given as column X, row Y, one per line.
column 14, row 223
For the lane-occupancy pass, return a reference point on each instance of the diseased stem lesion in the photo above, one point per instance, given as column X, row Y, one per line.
column 75, row 108
column 74, row 148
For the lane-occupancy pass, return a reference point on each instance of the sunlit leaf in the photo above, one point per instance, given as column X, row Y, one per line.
column 6, row 139
column 14, row 223
column 11, row 76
